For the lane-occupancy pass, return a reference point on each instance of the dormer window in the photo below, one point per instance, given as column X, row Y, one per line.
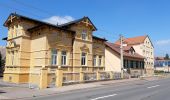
column 84, row 35
column 132, row 52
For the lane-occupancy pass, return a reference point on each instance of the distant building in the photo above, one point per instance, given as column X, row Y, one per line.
column 143, row 46
column 162, row 64
column 133, row 62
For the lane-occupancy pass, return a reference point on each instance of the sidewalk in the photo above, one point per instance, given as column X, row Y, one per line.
column 21, row 91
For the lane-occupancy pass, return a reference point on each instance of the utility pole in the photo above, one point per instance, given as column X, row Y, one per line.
column 121, row 55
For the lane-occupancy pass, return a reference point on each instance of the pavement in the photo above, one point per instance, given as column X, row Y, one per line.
column 21, row 91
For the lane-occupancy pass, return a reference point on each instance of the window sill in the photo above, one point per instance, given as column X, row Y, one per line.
column 65, row 65
column 98, row 66
column 83, row 65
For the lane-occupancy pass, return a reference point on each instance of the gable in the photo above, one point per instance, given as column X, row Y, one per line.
column 40, row 23
column 85, row 21
column 148, row 38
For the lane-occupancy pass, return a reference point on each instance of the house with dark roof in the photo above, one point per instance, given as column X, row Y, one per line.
column 143, row 46
column 33, row 45
column 133, row 62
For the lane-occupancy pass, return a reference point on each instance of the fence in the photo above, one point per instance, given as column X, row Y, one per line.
column 105, row 76
column 46, row 77
column 116, row 75
column 70, row 78
column 90, row 76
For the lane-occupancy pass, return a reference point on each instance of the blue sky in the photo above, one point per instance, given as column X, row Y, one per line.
column 111, row 17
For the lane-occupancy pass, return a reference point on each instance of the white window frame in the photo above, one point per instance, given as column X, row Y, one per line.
column 83, row 59
column 54, row 57
column 12, row 57
column 100, row 61
column 94, row 60
column 84, row 35
column 63, row 58
column 12, row 32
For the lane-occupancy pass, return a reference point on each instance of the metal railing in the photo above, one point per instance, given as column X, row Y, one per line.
column 90, row 76
column 104, row 75
column 70, row 78
column 116, row 75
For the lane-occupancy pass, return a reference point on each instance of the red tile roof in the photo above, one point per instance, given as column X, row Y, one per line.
column 133, row 41
column 116, row 48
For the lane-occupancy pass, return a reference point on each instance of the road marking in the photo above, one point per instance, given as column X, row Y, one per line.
column 153, row 86
column 104, row 97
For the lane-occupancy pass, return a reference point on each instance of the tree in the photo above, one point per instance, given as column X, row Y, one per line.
column 167, row 56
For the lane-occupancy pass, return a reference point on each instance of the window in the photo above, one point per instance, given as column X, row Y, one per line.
column 131, row 64
column 83, row 58
column 143, row 52
column 63, row 58
column 131, row 52
column 16, row 30
column 12, row 57
column 12, row 32
column 54, row 57
column 84, row 33
column 100, row 60
column 94, row 60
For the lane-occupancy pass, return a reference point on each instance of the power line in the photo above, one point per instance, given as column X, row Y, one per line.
column 33, row 7
column 109, row 33
column 46, row 12
column 16, row 9
column 49, row 13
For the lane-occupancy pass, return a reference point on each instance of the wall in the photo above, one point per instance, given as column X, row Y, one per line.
column 112, row 60
column 19, row 71
column 147, row 50
column 80, row 46
column 99, row 50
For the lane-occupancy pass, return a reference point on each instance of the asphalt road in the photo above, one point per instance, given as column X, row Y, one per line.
column 141, row 90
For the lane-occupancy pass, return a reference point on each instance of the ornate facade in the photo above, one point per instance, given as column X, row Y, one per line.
column 33, row 44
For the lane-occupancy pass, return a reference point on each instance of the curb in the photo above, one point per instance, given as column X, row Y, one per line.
column 48, row 94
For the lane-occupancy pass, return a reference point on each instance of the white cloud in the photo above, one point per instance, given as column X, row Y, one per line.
column 163, row 42
column 58, row 19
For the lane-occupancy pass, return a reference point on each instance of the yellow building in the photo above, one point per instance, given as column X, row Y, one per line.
column 143, row 46
column 33, row 45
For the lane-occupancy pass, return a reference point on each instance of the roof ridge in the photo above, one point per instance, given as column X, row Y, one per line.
column 70, row 22
column 137, row 36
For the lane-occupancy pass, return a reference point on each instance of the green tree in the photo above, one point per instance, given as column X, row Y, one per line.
column 167, row 56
